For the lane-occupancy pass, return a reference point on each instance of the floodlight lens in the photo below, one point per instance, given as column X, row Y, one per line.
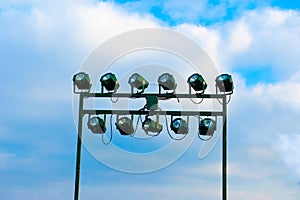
column 179, row 126
column 96, row 125
column 125, row 126
column 133, row 79
column 197, row 82
column 138, row 81
column 110, row 82
column 225, row 83
column 82, row 81
column 207, row 127
column 151, row 126
column 167, row 81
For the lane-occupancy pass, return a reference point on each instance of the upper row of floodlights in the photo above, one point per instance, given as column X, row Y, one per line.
column 109, row 81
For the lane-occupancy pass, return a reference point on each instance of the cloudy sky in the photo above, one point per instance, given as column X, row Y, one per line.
column 44, row 43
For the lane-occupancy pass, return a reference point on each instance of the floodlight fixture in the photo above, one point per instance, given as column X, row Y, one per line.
column 207, row 127
column 82, row 82
column 167, row 82
column 97, row 125
column 150, row 125
column 125, row 126
column 179, row 126
column 110, row 82
column 138, row 82
column 197, row 82
column 225, row 83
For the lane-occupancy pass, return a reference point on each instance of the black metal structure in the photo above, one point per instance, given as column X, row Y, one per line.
column 222, row 98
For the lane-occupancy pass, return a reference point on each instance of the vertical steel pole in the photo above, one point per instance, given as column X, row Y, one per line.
column 224, row 150
column 78, row 156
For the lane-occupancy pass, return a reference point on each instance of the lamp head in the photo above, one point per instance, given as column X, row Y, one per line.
column 137, row 81
column 225, row 83
column 179, row 126
column 151, row 126
column 82, row 81
column 167, row 81
column 96, row 125
column 110, row 82
column 125, row 126
column 197, row 82
column 207, row 126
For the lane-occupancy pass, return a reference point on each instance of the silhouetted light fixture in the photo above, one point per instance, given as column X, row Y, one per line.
column 197, row 82
column 179, row 126
column 125, row 126
column 82, row 81
column 110, row 82
column 207, row 126
column 138, row 82
column 167, row 82
column 151, row 126
column 151, row 102
column 225, row 83
column 96, row 125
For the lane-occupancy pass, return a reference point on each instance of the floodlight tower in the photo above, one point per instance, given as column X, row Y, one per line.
column 207, row 126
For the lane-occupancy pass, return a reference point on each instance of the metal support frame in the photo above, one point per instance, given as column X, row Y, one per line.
column 79, row 144
column 224, row 150
column 83, row 112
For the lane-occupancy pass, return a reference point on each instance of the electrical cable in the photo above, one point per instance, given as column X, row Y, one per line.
column 228, row 101
column 203, row 138
column 114, row 101
column 176, row 97
column 110, row 139
column 167, row 98
column 136, row 126
column 197, row 102
column 200, row 100
column 154, row 135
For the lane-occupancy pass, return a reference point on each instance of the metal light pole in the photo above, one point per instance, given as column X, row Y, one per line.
column 166, row 81
column 224, row 149
column 79, row 144
column 83, row 112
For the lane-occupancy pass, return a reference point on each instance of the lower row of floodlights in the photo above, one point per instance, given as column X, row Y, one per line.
column 166, row 81
column 125, row 126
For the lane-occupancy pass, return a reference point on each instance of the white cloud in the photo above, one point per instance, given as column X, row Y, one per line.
column 269, row 37
column 240, row 38
column 208, row 38
column 49, row 38
column 95, row 26
column 261, row 37
column 288, row 147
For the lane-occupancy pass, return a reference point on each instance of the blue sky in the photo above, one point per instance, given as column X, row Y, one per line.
column 43, row 44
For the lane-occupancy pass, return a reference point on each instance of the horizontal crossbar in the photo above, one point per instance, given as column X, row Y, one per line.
column 144, row 95
column 153, row 112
